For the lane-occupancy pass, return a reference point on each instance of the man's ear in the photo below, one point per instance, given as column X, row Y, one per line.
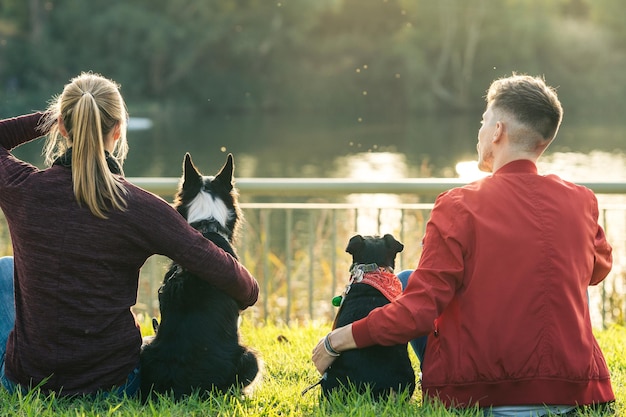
column 498, row 132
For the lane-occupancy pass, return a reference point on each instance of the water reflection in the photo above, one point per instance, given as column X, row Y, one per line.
column 593, row 166
column 571, row 166
column 312, row 145
column 374, row 166
column 468, row 171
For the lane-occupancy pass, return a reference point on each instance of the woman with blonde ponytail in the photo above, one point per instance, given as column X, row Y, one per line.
column 89, row 121
column 80, row 233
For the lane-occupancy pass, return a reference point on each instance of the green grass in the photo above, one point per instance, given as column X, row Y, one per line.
column 286, row 352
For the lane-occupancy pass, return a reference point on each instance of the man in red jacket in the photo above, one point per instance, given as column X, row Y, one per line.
column 501, row 286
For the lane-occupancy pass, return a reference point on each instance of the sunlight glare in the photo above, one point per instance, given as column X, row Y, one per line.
column 468, row 171
column 575, row 166
column 375, row 166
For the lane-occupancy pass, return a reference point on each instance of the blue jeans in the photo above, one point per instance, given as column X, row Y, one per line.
column 418, row 344
column 7, row 321
column 7, row 310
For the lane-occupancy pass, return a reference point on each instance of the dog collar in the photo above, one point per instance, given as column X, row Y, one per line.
column 358, row 270
column 211, row 226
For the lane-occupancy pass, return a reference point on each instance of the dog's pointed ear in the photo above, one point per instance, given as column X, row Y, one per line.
column 355, row 244
column 191, row 175
column 225, row 176
column 392, row 244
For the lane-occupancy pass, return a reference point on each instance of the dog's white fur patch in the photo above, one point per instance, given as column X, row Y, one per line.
column 205, row 206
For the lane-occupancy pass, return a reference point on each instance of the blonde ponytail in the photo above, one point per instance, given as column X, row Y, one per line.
column 90, row 108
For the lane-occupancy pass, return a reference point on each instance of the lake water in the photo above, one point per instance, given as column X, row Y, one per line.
column 358, row 147
column 341, row 146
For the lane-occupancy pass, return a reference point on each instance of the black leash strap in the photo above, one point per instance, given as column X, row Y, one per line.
column 310, row 387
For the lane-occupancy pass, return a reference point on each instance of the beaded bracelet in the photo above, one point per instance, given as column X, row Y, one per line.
column 329, row 348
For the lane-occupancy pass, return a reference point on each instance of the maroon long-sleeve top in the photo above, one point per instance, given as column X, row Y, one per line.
column 76, row 275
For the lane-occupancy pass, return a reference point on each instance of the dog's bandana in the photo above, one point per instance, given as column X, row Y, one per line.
column 385, row 282
column 378, row 277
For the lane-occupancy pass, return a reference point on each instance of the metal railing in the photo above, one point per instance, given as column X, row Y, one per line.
column 297, row 253
column 295, row 244
column 297, row 249
column 344, row 186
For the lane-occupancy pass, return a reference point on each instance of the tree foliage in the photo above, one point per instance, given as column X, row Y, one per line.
column 356, row 55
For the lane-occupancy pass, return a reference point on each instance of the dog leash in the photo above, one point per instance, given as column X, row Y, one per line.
column 379, row 277
column 356, row 275
column 310, row 387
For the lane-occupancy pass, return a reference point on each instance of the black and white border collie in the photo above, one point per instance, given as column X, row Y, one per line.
column 197, row 346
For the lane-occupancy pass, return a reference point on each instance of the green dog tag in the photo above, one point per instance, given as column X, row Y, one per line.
column 337, row 300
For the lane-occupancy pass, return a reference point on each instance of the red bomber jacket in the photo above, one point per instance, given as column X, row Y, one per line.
column 501, row 290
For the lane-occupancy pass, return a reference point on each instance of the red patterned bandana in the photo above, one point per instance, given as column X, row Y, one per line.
column 371, row 274
column 378, row 277
column 387, row 283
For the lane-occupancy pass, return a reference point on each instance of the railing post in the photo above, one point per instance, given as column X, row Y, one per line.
column 402, row 213
column 311, row 259
column 288, row 254
column 333, row 260
column 264, row 217
column 603, row 310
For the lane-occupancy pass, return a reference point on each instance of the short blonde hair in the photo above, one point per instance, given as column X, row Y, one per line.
column 90, row 107
column 529, row 100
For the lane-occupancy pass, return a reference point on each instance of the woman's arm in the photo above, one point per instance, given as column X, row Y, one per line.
column 210, row 263
column 18, row 130
column 164, row 231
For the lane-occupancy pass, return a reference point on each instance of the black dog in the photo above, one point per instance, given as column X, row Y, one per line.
column 384, row 369
column 196, row 347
